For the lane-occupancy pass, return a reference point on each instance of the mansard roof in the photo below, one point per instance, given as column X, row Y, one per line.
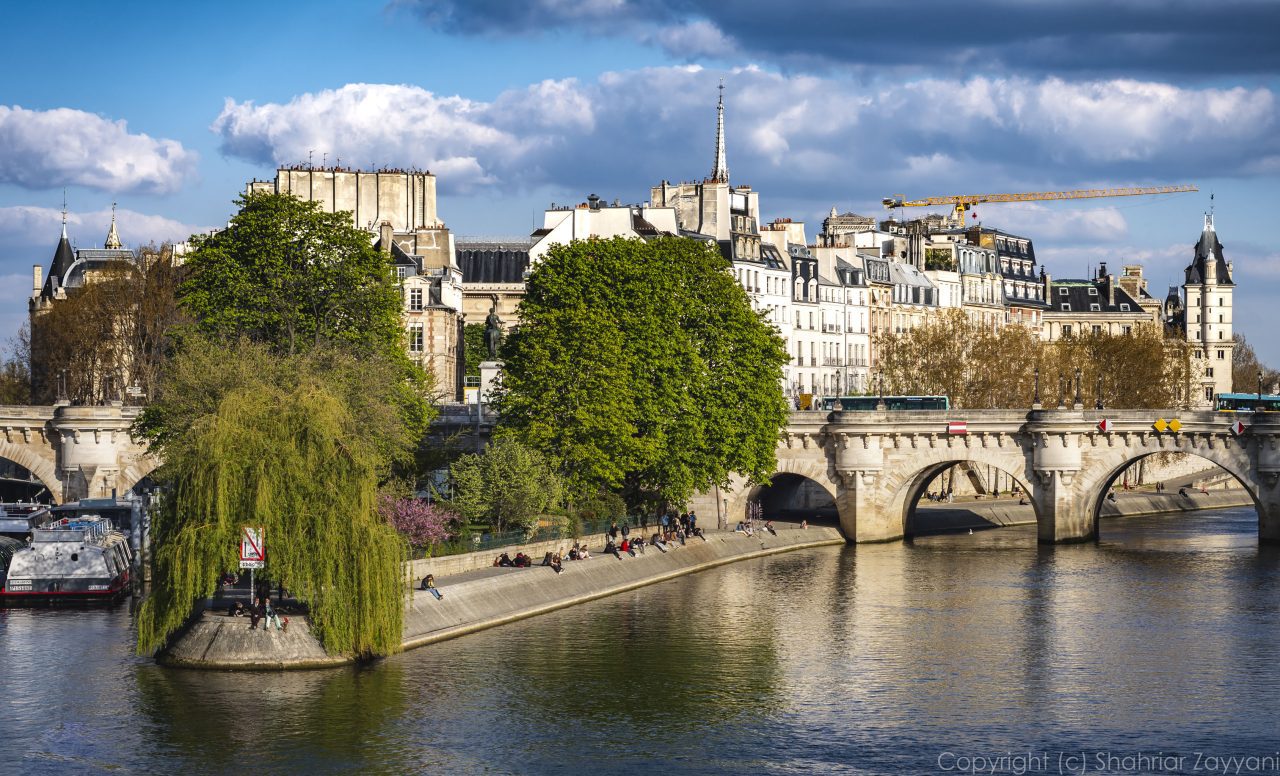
column 493, row 260
column 1077, row 296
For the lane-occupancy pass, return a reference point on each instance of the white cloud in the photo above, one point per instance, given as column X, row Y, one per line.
column 67, row 147
column 28, row 228
column 693, row 40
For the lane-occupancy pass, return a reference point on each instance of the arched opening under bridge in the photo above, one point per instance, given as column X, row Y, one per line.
column 794, row 497
column 961, row 495
column 20, row 482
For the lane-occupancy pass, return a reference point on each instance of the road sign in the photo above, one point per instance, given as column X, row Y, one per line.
column 1104, row 425
column 959, row 427
column 1238, row 428
column 1175, row 425
column 253, row 550
column 1160, row 425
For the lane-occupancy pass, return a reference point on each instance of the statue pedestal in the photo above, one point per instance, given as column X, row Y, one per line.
column 488, row 374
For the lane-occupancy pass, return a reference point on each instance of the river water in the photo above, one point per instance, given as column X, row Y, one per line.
column 885, row 659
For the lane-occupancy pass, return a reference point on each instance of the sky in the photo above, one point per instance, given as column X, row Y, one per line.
column 167, row 110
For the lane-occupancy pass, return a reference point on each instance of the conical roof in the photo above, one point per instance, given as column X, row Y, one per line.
column 63, row 258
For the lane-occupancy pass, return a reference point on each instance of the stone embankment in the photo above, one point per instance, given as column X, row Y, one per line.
column 979, row 514
column 481, row 598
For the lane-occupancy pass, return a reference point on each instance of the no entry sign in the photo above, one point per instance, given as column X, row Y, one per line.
column 957, row 427
column 253, row 550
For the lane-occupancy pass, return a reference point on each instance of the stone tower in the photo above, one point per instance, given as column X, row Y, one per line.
column 1207, row 316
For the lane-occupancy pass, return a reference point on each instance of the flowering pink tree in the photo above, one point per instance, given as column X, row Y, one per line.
column 420, row 523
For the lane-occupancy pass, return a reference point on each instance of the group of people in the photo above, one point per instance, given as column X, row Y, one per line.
column 520, row 561
column 260, row 610
column 748, row 527
column 940, row 496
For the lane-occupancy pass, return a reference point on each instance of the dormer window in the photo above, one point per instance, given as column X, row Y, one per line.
column 1066, row 308
column 1062, row 292
column 1124, row 308
column 1095, row 308
column 1093, row 291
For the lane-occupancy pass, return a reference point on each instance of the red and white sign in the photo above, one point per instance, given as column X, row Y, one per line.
column 957, row 427
column 253, row 550
column 1104, row 425
column 1238, row 428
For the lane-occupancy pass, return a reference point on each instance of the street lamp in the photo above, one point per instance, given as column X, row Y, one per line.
column 1098, row 403
column 1035, row 400
column 1259, row 389
column 1079, row 402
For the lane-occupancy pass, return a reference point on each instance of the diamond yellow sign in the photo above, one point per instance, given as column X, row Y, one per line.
column 1160, row 424
column 1175, row 425
column 1163, row 425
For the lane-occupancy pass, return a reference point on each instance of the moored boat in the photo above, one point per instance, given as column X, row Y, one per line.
column 71, row 560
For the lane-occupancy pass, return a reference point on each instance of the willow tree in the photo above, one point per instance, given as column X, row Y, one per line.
column 297, row 445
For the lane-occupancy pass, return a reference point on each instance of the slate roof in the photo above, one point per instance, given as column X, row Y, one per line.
column 63, row 258
column 492, row 261
column 1076, row 295
column 1208, row 248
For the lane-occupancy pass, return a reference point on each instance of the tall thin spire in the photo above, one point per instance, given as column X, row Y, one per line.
column 113, row 237
column 720, row 172
column 64, row 214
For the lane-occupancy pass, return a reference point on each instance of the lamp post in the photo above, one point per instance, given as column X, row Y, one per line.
column 1035, row 399
column 1259, row 390
column 1098, row 403
column 1079, row 402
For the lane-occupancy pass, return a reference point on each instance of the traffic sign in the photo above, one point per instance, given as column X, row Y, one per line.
column 1175, row 425
column 958, row 427
column 253, row 550
column 1163, row 425
column 1104, row 425
column 1238, row 428
column 1160, row 424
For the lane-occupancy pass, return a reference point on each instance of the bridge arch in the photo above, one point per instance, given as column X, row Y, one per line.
column 789, row 474
column 42, row 469
column 903, row 486
column 1096, row 481
column 136, row 471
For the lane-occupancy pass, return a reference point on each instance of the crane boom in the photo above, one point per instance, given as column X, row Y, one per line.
column 963, row 202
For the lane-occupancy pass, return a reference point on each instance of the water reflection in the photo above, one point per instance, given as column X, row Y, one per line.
column 1163, row 635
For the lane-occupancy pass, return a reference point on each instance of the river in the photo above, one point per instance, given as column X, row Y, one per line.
column 885, row 659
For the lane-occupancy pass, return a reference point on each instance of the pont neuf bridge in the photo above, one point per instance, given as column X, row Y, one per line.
column 874, row 465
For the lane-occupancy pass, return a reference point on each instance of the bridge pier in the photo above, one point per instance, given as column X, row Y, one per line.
column 1062, row 517
column 863, row 518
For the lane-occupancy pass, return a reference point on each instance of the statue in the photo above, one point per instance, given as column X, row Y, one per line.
column 493, row 332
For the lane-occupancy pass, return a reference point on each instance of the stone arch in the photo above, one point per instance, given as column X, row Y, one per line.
column 43, row 469
column 902, row 486
column 1095, row 481
column 134, row 472
column 816, row 469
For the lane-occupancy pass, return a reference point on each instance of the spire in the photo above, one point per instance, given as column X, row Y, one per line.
column 64, row 214
column 720, row 172
column 113, row 238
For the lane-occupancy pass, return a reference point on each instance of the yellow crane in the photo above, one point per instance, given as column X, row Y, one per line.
column 963, row 202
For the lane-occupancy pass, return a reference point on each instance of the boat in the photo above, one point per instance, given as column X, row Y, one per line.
column 71, row 560
column 18, row 519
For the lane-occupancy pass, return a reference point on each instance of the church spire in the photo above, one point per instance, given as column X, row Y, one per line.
column 113, row 238
column 64, row 214
column 720, row 172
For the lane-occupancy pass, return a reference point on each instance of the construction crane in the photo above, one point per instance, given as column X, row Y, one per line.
column 963, row 202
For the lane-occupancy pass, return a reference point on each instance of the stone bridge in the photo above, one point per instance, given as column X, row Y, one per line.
column 876, row 465
column 76, row 452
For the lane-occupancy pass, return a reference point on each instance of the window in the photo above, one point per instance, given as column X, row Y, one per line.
column 1127, row 329
column 1093, row 291
column 1062, row 291
column 1124, row 307
column 1222, row 355
column 1208, row 371
column 1066, row 330
column 402, row 272
column 415, row 338
column 1097, row 329
column 415, row 299
column 1066, row 307
column 1220, row 318
column 1199, row 354
column 1095, row 308
column 1219, row 335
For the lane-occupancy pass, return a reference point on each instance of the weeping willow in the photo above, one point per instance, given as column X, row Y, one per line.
column 293, row 460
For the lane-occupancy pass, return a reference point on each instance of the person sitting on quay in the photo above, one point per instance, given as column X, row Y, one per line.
column 236, row 609
column 626, row 547
column 768, row 526
column 696, row 531
column 503, row 560
column 656, row 541
column 1182, row 492
column 638, row 544
column 611, row 549
column 680, row 536
column 429, row 584
column 546, row 558
column 556, row 564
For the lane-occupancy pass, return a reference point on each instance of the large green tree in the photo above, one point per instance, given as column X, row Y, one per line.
column 508, row 486
column 287, row 273
column 295, row 444
column 640, row 367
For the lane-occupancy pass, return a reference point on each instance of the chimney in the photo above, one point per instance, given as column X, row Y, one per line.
column 37, row 278
column 1047, row 281
column 384, row 237
column 1111, row 289
column 1102, row 270
column 593, row 202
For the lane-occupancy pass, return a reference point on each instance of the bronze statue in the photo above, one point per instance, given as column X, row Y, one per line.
column 493, row 332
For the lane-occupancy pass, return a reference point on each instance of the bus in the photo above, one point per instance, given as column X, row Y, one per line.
column 868, row 403
column 1246, row 402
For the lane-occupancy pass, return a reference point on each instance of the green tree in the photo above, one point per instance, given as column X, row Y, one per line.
column 473, row 346
column 641, row 367
column 286, row 273
column 296, row 444
column 15, row 372
column 507, row 486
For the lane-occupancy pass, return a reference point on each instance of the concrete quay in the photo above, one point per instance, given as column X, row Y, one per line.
column 481, row 598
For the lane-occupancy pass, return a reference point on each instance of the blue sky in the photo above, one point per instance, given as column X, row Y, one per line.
column 167, row 109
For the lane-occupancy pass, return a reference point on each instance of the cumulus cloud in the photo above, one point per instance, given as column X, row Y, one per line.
column 66, row 147
column 1094, row 37
column 796, row 135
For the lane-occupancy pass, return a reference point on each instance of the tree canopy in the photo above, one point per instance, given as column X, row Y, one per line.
column 640, row 366
column 287, row 273
column 978, row 366
column 290, row 444
column 507, row 486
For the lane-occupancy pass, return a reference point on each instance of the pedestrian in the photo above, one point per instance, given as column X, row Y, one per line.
column 693, row 521
column 664, row 521
column 429, row 584
column 613, row 530
column 626, row 529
